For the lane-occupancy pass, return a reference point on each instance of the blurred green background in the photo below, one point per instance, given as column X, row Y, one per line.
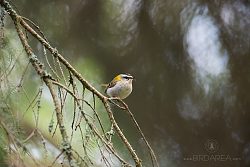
column 191, row 63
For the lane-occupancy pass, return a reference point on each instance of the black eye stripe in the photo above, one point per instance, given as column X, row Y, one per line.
column 128, row 77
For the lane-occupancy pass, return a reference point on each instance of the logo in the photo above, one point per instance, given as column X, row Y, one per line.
column 213, row 154
column 211, row 146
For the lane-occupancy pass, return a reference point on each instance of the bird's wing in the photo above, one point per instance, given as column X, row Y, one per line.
column 111, row 84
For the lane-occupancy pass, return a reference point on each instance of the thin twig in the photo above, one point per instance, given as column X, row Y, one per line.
column 66, row 143
column 76, row 98
column 57, row 157
column 38, row 66
column 152, row 154
column 88, row 122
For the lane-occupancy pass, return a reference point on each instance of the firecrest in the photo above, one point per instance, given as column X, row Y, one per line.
column 120, row 86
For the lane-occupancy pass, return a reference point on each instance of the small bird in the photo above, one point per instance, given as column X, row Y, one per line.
column 120, row 86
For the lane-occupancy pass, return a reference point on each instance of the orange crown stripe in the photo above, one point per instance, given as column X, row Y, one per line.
column 117, row 78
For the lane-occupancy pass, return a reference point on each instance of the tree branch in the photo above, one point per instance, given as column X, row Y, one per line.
column 20, row 23
column 38, row 66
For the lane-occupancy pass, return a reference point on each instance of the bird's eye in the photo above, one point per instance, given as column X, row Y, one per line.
column 127, row 78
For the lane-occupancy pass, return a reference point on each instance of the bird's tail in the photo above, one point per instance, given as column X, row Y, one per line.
column 104, row 85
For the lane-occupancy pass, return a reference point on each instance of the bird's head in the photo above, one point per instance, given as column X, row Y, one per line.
column 124, row 77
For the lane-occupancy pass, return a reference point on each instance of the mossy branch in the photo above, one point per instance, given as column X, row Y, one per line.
column 20, row 23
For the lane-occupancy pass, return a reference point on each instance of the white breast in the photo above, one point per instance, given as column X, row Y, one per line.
column 121, row 90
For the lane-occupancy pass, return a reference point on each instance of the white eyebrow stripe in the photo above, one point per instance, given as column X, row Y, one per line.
column 127, row 76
